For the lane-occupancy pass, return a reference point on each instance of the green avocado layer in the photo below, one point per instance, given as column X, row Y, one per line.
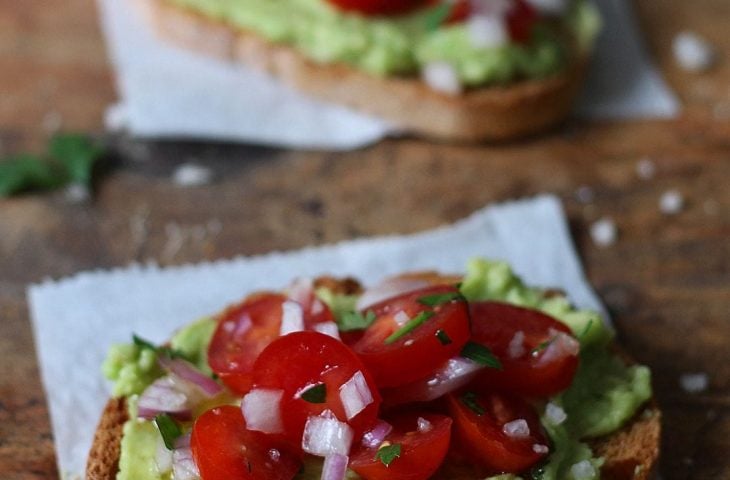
column 604, row 395
column 402, row 45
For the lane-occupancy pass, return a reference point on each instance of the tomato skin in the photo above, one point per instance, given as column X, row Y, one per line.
column 520, row 20
column 495, row 324
column 379, row 7
column 418, row 353
column 223, row 449
column 421, row 453
column 244, row 330
column 480, row 436
column 297, row 361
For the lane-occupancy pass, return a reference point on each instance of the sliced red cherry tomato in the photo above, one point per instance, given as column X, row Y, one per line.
column 300, row 361
column 224, row 449
column 490, row 429
column 422, row 450
column 379, row 7
column 246, row 329
column 520, row 20
column 397, row 354
column 538, row 354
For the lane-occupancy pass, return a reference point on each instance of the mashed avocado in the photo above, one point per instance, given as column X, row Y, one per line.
column 604, row 395
column 401, row 45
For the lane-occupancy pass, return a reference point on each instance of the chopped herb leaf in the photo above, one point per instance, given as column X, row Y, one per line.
column 388, row 453
column 443, row 337
column 355, row 321
column 162, row 351
column 586, row 329
column 441, row 298
column 315, row 394
column 542, row 346
column 470, row 400
column 480, row 354
column 142, row 343
column 438, row 15
column 169, row 429
column 77, row 154
column 409, row 326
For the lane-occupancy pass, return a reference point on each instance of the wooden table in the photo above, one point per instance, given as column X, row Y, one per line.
column 666, row 280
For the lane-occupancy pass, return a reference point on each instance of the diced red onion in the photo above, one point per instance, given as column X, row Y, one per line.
column 328, row 328
column 301, row 290
column 335, row 467
column 516, row 428
column 555, row 414
column 487, row 31
column 183, row 465
column 454, row 374
column 561, row 345
column 163, row 456
column 187, row 371
column 516, row 347
column 355, row 395
column 183, row 441
column 166, row 395
column 442, row 77
column 375, row 437
column 388, row 288
column 262, row 411
column 324, row 435
column 424, row 425
column 401, row 318
column 540, row 448
column 292, row 318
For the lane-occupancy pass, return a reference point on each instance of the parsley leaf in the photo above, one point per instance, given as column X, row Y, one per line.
column 409, row 326
column 163, row 350
column 585, row 331
column 315, row 394
column 542, row 346
column 77, row 154
column 443, row 337
column 355, row 321
column 388, row 453
column 169, row 429
column 27, row 172
column 480, row 354
column 438, row 15
column 470, row 400
column 441, row 298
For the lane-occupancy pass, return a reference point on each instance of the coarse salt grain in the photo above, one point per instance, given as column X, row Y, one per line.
column 694, row 382
column 583, row 470
column 692, row 52
column 442, row 77
column 671, row 202
column 191, row 175
column 540, row 448
column 604, row 232
column 487, row 31
column 516, row 428
column 401, row 318
column 555, row 413
column 645, row 169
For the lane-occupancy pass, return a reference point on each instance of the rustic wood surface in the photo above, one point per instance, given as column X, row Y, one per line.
column 666, row 280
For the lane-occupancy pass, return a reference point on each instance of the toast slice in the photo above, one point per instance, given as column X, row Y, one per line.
column 630, row 453
column 491, row 113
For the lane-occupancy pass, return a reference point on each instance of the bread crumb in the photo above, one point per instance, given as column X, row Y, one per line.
column 692, row 52
column 671, row 202
column 645, row 169
column 191, row 175
column 604, row 232
column 711, row 207
column 694, row 382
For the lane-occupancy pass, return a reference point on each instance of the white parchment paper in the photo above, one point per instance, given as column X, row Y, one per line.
column 77, row 319
column 168, row 92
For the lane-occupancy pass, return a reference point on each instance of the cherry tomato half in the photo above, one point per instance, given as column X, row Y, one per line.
column 379, row 7
column 423, row 439
column 479, row 429
column 422, row 350
column 224, row 449
column 244, row 330
column 538, row 354
column 300, row 361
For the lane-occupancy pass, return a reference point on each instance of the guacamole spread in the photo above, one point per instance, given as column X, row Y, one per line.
column 604, row 395
column 404, row 44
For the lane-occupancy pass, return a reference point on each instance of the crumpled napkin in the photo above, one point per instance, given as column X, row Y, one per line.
column 167, row 92
column 76, row 319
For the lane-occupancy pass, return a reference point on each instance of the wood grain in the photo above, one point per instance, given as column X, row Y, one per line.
column 666, row 280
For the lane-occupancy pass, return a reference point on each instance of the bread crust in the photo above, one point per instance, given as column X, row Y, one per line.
column 630, row 453
column 494, row 113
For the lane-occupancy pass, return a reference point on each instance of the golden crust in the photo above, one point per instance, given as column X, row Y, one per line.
column 492, row 113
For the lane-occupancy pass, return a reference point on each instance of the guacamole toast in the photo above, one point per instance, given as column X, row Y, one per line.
column 504, row 97
column 625, row 448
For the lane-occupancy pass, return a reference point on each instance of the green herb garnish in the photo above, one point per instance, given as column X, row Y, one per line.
column 438, row 15
column 440, row 298
column 409, row 326
column 443, row 337
column 169, row 429
column 388, row 453
column 585, row 331
column 480, row 354
column 70, row 159
column 355, row 321
column 315, row 394
column 470, row 400
column 542, row 346
column 162, row 351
